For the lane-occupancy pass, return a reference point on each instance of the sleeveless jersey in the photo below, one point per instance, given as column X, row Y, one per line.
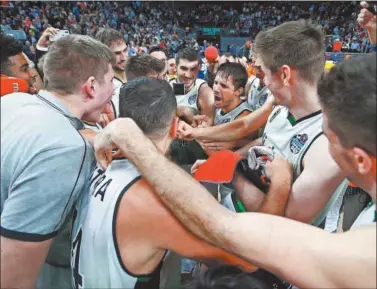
column 115, row 98
column 366, row 217
column 95, row 257
column 231, row 115
column 189, row 99
column 228, row 117
column 257, row 97
column 292, row 139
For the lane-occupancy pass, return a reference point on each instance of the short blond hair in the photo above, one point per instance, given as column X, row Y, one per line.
column 71, row 60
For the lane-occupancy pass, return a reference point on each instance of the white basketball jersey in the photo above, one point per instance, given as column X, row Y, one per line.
column 189, row 99
column 95, row 259
column 256, row 96
column 366, row 217
column 292, row 139
column 115, row 98
column 221, row 118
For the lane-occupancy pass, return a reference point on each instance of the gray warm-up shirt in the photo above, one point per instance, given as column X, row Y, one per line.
column 45, row 167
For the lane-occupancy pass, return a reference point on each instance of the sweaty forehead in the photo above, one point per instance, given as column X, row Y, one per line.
column 224, row 78
column 188, row 64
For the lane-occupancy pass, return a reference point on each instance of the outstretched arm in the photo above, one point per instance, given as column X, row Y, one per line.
column 282, row 246
column 157, row 228
column 234, row 130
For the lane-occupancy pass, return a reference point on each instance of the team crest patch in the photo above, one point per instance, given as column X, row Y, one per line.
column 191, row 100
column 225, row 120
column 263, row 99
column 297, row 142
column 275, row 114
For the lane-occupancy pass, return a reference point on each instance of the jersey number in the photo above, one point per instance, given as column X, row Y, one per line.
column 76, row 247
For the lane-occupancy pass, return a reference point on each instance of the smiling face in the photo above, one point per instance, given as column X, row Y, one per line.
column 18, row 66
column 121, row 53
column 188, row 72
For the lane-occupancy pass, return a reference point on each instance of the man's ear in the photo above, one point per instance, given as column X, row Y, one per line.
column 286, row 75
column 174, row 127
column 363, row 162
column 239, row 91
column 89, row 87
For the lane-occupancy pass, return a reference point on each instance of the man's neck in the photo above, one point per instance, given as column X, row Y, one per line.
column 231, row 106
column 304, row 102
column 372, row 192
column 72, row 103
column 121, row 75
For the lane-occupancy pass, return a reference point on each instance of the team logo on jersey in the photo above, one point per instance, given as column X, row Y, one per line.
column 263, row 99
column 275, row 114
column 224, row 120
column 297, row 142
column 192, row 99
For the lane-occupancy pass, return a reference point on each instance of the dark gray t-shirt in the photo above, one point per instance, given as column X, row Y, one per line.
column 45, row 167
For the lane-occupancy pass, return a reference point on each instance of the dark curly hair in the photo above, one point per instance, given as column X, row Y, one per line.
column 8, row 47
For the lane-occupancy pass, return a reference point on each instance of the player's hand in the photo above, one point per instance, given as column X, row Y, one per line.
column 279, row 170
column 200, row 121
column 366, row 19
column 44, row 40
column 185, row 131
column 196, row 165
column 123, row 130
column 218, row 146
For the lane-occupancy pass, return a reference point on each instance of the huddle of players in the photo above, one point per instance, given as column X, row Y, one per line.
column 119, row 196
column 117, row 235
column 104, row 252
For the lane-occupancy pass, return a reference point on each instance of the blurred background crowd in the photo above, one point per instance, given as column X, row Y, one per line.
column 175, row 25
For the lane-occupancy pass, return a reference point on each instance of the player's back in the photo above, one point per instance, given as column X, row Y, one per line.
column 96, row 250
column 95, row 259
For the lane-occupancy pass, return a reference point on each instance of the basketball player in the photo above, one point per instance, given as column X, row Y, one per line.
column 122, row 232
column 299, row 253
column 194, row 97
column 116, row 42
column 228, row 89
column 197, row 95
column 257, row 94
column 294, row 128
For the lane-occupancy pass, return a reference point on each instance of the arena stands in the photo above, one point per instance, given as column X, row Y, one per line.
column 174, row 25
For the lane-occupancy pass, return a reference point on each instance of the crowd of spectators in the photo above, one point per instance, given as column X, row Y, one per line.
column 336, row 19
column 143, row 24
column 146, row 24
